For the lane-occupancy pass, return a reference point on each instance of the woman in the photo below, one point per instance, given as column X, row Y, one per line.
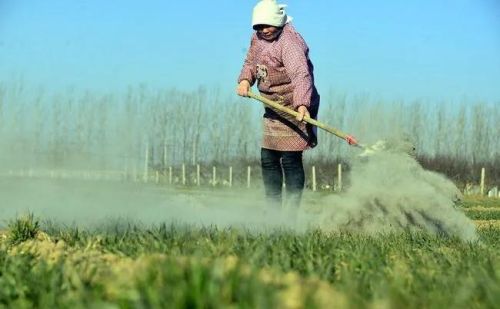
column 278, row 61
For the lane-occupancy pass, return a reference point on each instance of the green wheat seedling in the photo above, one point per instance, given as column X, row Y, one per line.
column 23, row 228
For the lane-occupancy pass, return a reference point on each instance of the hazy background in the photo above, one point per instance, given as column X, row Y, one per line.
column 93, row 84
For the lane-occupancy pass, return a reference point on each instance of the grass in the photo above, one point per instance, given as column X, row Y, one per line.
column 483, row 214
column 130, row 265
column 23, row 228
column 180, row 266
column 479, row 201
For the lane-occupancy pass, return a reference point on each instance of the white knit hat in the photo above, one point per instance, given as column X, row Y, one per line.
column 269, row 12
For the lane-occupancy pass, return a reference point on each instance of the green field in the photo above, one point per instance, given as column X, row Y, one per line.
column 130, row 265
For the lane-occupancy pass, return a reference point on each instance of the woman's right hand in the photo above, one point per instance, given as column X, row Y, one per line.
column 243, row 88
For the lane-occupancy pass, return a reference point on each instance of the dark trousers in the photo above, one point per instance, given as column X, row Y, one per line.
column 275, row 165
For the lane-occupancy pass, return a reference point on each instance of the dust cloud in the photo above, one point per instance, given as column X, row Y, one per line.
column 91, row 204
column 388, row 192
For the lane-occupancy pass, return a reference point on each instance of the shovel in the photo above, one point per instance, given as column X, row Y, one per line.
column 348, row 138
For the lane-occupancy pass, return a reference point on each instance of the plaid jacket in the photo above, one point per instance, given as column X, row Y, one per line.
column 284, row 73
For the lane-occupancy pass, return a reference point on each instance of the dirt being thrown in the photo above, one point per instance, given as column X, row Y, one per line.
column 390, row 192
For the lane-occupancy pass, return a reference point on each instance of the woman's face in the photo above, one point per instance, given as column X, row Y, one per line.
column 268, row 33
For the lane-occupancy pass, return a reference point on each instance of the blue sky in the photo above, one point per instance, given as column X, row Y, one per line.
column 435, row 49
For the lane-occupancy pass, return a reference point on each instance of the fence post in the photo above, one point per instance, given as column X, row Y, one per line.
column 157, row 177
column 339, row 177
column 198, row 175
column 230, row 176
column 314, row 178
column 195, row 148
column 146, row 164
column 249, row 175
column 483, row 176
column 183, row 174
column 214, row 175
column 164, row 154
column 169, row 175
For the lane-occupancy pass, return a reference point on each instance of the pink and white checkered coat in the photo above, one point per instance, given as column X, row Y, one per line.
column 284, row 73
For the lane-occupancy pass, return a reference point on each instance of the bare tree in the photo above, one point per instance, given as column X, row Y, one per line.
column 479, row 138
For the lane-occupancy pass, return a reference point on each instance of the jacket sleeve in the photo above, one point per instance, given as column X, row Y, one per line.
column 248, row 71
column 296, row 63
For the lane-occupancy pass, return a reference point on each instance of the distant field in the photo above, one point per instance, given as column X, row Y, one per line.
column 477, row 201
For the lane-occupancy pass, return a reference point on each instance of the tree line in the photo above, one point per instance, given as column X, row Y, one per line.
column 88, row 129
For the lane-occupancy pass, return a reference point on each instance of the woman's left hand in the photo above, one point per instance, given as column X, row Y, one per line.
column 303, row 113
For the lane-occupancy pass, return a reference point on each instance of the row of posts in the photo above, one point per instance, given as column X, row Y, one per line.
column 314, row 183
column 470, row 189
column 214, row 174
column 229, row 183
column 249, row 171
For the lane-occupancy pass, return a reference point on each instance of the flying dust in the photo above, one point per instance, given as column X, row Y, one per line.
column 389, row 191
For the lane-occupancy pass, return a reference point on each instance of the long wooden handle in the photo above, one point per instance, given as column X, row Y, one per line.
column 310, row 120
